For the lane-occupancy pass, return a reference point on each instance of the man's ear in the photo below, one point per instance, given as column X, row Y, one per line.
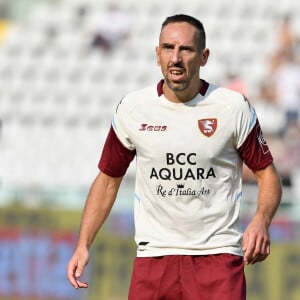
column 204, row 56
column 157, row 56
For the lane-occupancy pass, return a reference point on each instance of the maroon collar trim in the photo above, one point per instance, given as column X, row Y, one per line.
column 202, row 91
column 160, row 88
column 204, row 87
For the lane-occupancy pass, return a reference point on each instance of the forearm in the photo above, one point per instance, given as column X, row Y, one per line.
column 98, row 205
column 256, row 239
column 269, row 193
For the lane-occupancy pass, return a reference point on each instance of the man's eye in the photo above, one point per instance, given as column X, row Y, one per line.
column 187, row 49
column 167, row 47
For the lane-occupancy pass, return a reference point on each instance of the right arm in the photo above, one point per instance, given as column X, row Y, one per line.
column 98, row 205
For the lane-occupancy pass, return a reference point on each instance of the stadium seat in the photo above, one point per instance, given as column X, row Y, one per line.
column 53, row 85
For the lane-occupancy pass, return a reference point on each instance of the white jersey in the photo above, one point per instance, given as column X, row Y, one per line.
column 188, row 168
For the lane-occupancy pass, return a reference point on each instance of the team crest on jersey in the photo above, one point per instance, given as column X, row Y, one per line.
column 208, row 126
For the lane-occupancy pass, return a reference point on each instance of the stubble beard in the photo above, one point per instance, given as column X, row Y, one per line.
column 179, row 87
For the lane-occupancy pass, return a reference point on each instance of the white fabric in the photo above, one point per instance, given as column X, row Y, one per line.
column 188, row 184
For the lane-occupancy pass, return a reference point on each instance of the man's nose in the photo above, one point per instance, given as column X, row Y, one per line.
column 176, row 57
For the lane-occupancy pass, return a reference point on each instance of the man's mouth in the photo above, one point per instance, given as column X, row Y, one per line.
column 176, row 74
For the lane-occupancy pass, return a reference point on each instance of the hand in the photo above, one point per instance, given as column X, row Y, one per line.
column 256, row 241
column 76, row 267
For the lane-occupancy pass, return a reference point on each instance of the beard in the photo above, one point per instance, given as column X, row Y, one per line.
column 178, row 87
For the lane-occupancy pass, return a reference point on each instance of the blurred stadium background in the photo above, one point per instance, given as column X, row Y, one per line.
column 57, row 96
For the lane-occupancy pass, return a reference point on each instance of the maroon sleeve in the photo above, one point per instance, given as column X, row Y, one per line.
column 115, row 157
column 255, row 151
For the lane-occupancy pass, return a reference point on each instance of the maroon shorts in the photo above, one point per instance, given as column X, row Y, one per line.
column 185, row 277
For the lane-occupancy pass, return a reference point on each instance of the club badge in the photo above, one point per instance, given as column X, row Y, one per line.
column 208, row 126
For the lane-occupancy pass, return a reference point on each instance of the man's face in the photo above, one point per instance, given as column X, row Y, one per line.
column 179, row 56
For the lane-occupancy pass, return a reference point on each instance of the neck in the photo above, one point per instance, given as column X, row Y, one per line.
column 183, row 96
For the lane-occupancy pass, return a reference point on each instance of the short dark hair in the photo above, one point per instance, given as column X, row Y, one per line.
column 190, row 20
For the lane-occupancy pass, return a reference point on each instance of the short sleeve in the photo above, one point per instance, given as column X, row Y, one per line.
column 115, row 157
column 250, row 142
column 244, row 122
column 120, row 124
column 255, row 151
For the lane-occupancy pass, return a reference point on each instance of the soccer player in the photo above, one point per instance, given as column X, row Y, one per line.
column 190, row 139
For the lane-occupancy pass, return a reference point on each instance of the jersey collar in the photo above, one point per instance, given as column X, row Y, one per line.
column 202, row 91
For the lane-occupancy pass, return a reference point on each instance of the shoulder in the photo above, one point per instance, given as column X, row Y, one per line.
column 225, row 93
column 228, row 99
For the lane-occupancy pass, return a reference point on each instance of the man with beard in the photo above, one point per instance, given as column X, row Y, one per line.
column 190, row 139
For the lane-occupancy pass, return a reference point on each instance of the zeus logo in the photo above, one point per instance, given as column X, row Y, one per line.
column 148, row 127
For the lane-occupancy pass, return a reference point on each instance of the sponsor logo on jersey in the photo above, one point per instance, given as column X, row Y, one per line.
column 151, row 127
column 182, row 166
column 208, row 126
column 182, row 191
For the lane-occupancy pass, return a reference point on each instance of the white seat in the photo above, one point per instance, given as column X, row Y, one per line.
column 66, row 88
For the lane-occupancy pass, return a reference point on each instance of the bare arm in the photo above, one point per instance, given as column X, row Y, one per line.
column 256, row 239
column 98, row 205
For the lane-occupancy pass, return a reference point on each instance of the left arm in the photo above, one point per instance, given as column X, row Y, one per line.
column 256, row 238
